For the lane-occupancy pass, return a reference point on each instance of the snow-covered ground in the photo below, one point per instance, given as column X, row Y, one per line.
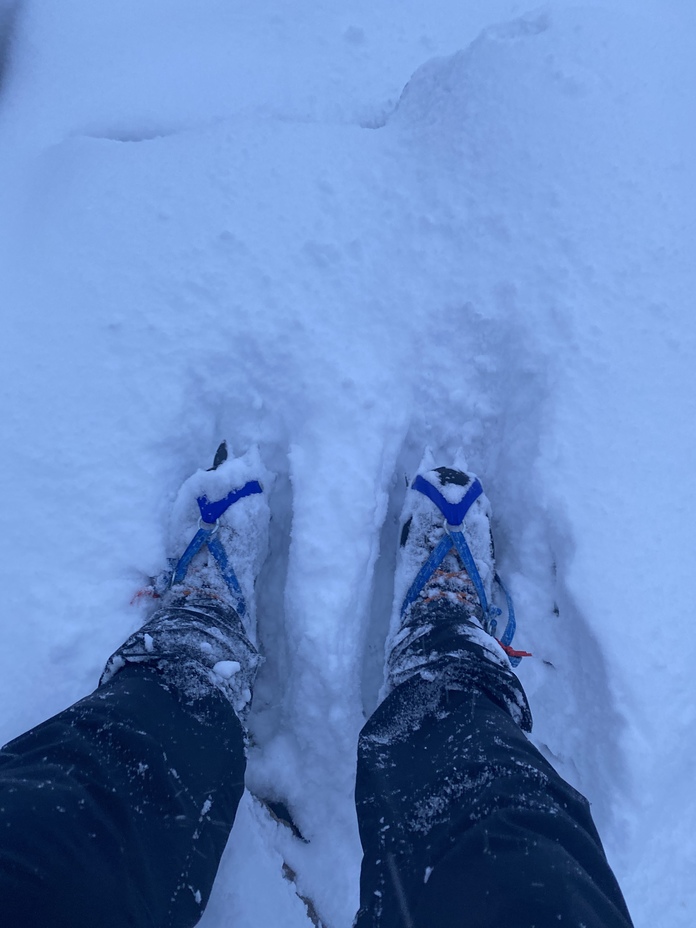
column 232, row 220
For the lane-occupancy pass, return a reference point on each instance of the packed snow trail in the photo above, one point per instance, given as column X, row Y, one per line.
column 270, row 249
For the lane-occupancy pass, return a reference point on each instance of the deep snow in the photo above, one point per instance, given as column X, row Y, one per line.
column 229, row 221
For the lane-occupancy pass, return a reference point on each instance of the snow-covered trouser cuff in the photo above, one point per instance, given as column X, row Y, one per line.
column 195, row 645
column 462, row 820
column 439, row 642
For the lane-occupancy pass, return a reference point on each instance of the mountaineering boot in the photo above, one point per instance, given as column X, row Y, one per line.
column 203, row 632
column 444, row 584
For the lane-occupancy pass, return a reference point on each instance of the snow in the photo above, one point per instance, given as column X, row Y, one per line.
column 226, row 669
column 224, row 221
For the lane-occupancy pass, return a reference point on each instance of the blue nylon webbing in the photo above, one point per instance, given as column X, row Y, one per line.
column 467, row 559
column 437, row 556
column 199, row 539
column 453, row 512
column 217, row 549
column 211, row 512
column 511, row 627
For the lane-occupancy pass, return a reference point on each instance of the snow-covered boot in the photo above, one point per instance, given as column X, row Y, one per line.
column 445, row 580
column 203, row 632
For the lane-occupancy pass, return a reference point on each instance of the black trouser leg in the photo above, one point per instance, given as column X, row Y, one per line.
column 463, row 823
column 115, row 813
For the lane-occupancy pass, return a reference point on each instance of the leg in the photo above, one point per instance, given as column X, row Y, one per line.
column 116, row 811
column 463, row 822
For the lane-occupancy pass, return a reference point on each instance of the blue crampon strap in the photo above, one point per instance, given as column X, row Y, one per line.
column 455, row 514
column 467, row 559
column 199, row 539
column 437, row 556
column 211, row 512
column 217, row 549
column 511, row 627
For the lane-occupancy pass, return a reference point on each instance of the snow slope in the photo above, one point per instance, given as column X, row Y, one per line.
column 230, row 221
